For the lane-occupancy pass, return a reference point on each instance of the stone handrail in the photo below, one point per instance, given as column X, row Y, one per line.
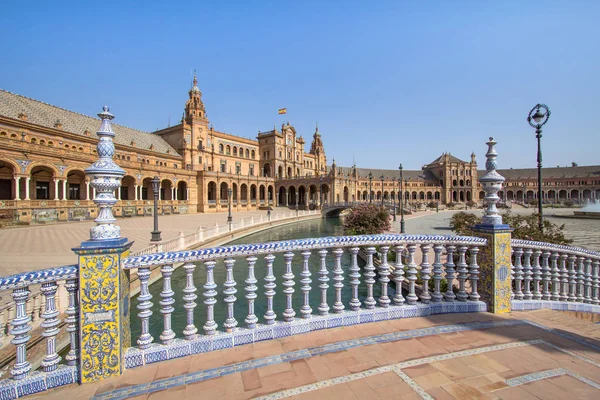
column 546, row 275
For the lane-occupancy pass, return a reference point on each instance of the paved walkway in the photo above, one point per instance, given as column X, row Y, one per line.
column 43, row 246
column 528, row 355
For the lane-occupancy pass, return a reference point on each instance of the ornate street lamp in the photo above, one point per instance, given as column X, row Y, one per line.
column 401, row 201
column 393, row 187
column 155, row 190
column 381, row 177
column 538, row 116
column 229, row 217
column 370, row 187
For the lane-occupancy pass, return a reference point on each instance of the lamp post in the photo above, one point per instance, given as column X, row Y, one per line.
column 393, row 187
column 402, row 230
column 229, row 217
column 370, row 187
column 381, row 177
column 538, row 116
column 155, row 190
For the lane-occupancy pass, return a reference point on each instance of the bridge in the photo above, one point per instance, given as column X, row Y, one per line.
column 334, row 209
column 349, row 332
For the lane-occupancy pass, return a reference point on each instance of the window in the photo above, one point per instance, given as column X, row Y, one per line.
column 223, row 166
column 200, row 160
column 74, row 191
column 253, row 154
column 251, row 170
column 228, row 149
column 238, row 168
column 247, row 153
column 144, row 193
column 235, row 151
column 221, row 148
column 200, row 145
column 42, row 190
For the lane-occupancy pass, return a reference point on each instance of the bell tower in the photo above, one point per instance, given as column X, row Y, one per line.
column 194, row 107
column 318, row 150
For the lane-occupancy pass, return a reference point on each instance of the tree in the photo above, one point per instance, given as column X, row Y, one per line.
column 525, row 227
column 367, row 219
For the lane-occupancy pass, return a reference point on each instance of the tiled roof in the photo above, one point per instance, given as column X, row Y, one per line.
column 452, row 159
column 40, row 113
column 389, row 173
column 561, row 172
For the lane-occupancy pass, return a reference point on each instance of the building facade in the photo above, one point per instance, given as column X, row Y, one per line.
column 45, row 149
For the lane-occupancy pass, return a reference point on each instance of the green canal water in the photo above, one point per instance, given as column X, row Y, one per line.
column 303, row 229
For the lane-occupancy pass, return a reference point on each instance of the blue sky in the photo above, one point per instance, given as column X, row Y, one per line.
column 387, row 81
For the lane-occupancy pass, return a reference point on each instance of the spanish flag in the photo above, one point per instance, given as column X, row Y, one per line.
column 282, row 111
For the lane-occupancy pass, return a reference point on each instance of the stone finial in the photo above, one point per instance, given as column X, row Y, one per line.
column 491, row 183
column 105, row 176
column 22, row 116
column 58, row 124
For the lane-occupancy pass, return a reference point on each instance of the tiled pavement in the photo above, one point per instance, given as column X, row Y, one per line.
column 527, row 355
column 44, row 246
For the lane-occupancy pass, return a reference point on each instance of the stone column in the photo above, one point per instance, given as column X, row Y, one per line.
column 119, row 193
column 187, row 193
column 104, row 317
column 494, row 259
column 64, row 196
column 87, row 190
column 17, row 180
column 136, row 191
column 55, row 189
column 27, row 188
column 287, row 198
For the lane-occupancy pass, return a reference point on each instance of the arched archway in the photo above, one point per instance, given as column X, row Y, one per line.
column 468, row 195
column 346, row 194
column 282, row 198
column 212, row 192
column 42, row 181
column 7, row 189
column 510, row 195
column 223, row 192
column 262, row 193
column 292, row 194
column 253, row 193
column 270, row 194
column 325, row 193
column 166, row 190
column 182, row 190
column 302, row 195
column 461, row 196
column 481, row 195
column 244, row 193
column 234, row 191
column 78, row 189
column 289, row 172
column 280, row 172
column 267, row 170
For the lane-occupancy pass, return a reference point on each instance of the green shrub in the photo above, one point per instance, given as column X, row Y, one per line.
column 367, row 219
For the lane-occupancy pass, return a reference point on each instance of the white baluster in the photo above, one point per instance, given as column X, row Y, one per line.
column 229, row 294
column 425, row 273
column 166, row 304
column 596, row 282
column 518, row 268
column 210, row 298
column 462, row 274
column 145, row 307
column 251, row 288
column 527, row 274
column 384, row 272
column 572, row 278
column 305, row 310
column 398, row 275
column 564, row 273
column 437, row 296
column 354, row 279
column 411, row 297
column 338, row 278
column 369, row 278
column 288, row 284
column 546, row 275
column 20, row 330
column 580, row 279
column 555, row 276
column 189, row 297
column 323, row 286
column 449, row 295
column 588, row 281
column 474, row 273
column 50, row 325
column 270, row 289
column 537, row 275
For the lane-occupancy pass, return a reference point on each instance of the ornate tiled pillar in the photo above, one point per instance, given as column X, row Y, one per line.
column 494, row 259
column 104, row 331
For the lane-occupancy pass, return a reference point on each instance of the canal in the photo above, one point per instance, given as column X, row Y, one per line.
column 304, row 229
